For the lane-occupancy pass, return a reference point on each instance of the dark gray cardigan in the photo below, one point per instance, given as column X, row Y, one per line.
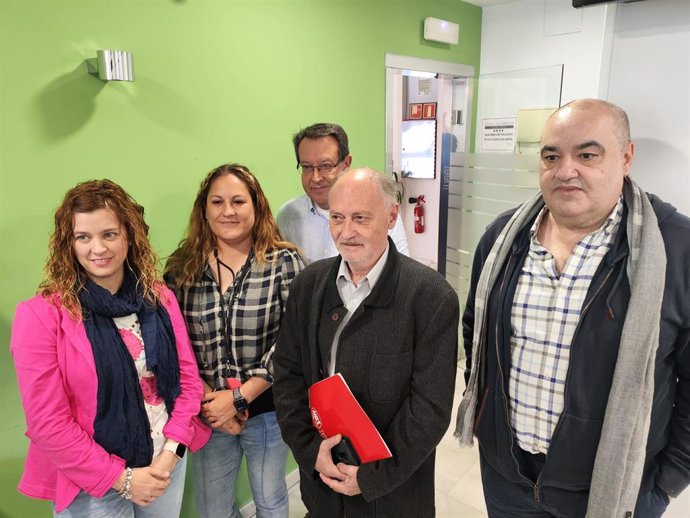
column 398, row 355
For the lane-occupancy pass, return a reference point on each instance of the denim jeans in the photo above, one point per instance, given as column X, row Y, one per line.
column 651, row 504
column 114, row 506
column 506, row 499
column 217, row 463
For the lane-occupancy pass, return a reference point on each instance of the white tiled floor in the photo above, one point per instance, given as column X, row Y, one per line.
column 458, row 482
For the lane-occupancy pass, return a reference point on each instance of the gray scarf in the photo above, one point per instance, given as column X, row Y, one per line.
column 620, row 455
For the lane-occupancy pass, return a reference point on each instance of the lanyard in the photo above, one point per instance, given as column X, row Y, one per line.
column 225, row 313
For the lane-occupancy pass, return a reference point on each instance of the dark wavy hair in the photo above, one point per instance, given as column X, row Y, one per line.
column 63, row 276
column 187, row 262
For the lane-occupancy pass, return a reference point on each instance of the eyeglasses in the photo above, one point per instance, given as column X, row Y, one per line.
column 324, row 168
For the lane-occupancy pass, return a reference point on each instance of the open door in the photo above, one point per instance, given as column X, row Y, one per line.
column 427, row 110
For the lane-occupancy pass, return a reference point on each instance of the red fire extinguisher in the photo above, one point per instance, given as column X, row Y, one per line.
column 419, row 215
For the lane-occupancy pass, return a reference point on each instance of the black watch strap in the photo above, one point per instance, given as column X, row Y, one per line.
column 240, row 403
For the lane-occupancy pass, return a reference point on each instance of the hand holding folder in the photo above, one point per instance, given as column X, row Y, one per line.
column 334, row 410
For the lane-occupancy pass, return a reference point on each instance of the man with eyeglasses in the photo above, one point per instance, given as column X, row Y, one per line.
column 322, row 152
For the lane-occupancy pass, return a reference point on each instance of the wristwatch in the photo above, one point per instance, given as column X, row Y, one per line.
column 240, row 403
column 180, row 450
column 177, row 448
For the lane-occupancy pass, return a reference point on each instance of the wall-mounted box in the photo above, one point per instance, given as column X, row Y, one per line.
column 441, row 30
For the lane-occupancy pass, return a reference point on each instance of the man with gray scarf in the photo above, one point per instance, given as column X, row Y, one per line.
column 576, row 330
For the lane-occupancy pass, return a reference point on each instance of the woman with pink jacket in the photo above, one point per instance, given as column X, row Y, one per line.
column 108, row 380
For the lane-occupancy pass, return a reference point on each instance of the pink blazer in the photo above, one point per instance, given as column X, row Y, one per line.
column 58, row 385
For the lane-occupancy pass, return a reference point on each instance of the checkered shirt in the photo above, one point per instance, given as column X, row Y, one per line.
column 545, row 312
column 255, row 305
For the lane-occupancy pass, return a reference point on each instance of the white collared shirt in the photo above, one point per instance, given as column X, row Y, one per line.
column 352, row 296
column 305, row 224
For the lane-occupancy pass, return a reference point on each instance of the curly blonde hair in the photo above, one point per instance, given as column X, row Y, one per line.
column 187, row 262
column 63, row 276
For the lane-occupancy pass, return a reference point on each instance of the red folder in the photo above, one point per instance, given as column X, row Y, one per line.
column 335, row 410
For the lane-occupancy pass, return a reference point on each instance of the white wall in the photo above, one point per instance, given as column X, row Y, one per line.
column 636, row 55
column 650, row 79
column 535, row 33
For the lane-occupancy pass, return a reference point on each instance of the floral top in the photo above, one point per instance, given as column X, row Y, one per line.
column 130, row 332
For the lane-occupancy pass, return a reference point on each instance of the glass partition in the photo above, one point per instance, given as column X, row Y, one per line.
column 502, row 96
column 503, row 171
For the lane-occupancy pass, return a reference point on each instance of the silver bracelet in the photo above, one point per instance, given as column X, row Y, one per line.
column 126, row 490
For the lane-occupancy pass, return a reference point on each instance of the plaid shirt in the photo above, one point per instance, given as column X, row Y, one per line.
column 254, row 304
column 545, row 313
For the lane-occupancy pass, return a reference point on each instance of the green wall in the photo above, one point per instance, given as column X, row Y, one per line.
column 216, row 81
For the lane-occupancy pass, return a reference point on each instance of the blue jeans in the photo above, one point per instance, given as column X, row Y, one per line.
column 651, row 504
column 114, row 506
column 506, row 499
column 217, row 463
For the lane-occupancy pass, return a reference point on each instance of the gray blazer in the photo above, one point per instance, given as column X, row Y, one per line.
column 398, row 354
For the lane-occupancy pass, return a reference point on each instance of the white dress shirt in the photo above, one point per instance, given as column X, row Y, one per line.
column 352, row 296
column 306, row 225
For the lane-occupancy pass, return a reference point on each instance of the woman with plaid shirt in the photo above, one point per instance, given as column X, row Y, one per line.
column 231, row 274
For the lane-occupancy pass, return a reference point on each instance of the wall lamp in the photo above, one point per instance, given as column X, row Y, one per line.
column 112, row 65
column 442, row 31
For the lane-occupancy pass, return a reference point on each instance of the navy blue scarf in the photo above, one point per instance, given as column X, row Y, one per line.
column 121, row 425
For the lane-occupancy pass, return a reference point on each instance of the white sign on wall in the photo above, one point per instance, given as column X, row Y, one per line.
column 498, row 134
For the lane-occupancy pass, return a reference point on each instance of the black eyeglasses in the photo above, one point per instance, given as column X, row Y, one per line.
column 324, row 168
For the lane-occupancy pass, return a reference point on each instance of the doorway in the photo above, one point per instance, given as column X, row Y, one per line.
column 427, row 116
